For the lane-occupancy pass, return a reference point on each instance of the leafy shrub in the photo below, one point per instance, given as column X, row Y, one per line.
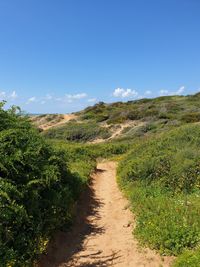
column 191, row 117
column 188, row 259
column 88, row 153
column 78, row 132
column 102, row 117
column 37, row 190
column 134, row 115
column 164, row 115
column 118, row 117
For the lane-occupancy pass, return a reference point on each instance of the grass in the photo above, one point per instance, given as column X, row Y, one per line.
column 162, row 181
column 164, row 222
column 188, row 259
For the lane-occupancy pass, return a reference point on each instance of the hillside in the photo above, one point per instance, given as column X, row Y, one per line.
column 103, row 122
column 159, row 141
column 62, row 174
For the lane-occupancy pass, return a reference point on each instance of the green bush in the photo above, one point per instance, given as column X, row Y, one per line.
column 191, row 117
column 78, row 132
column 37, row 190
column 188, row 259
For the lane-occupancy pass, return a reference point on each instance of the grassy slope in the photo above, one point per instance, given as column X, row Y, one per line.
column 151, row 115
column 162, row 181
column 162, row 156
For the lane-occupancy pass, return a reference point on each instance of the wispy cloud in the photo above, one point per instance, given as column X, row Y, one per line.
column 147, row 92
column 125, row 93
column 8, row 96
column 180, row 90
column 91, row 100
column 67, row 98
column 48, row 97
column 76, row 96
column 164, row 92
column 2, row 95
column 31, row 100
column 13, row 95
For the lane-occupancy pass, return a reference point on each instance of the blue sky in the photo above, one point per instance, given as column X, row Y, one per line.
column 62, row 55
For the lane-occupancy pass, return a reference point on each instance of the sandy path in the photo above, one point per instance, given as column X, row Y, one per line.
column 102, row 234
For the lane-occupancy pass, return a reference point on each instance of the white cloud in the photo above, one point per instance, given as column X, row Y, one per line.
column 124, row 93
column 45, row 99
column 2, row 95
column 67, row 98
column 31, row 100
column 6, row 96
column 92, row 100
column 167, row 92
column 76, row 96
column 58, row 99
column 48, row 97
column 180, row 90
column 147, row 92
column 163, row 92
column 13, row 95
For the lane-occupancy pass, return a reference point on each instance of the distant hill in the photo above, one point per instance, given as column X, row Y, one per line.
column 130, row 119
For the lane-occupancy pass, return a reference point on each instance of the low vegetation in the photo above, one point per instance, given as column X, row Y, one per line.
column 46, row 119
column 78, row 132
column 43, row 174
column 162, row 181
column 168, row 108
column 188, row 259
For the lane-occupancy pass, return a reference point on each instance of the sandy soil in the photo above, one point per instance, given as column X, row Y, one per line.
column 117, row 131
column 66, row 118
column 123, row 126
column 102, row 234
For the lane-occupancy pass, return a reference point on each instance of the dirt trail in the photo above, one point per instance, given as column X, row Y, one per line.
column 102, row 234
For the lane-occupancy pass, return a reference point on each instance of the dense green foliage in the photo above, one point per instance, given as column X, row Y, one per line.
column 37, row 190
column 78, row 132
column 162, row 180
column 188, row 259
